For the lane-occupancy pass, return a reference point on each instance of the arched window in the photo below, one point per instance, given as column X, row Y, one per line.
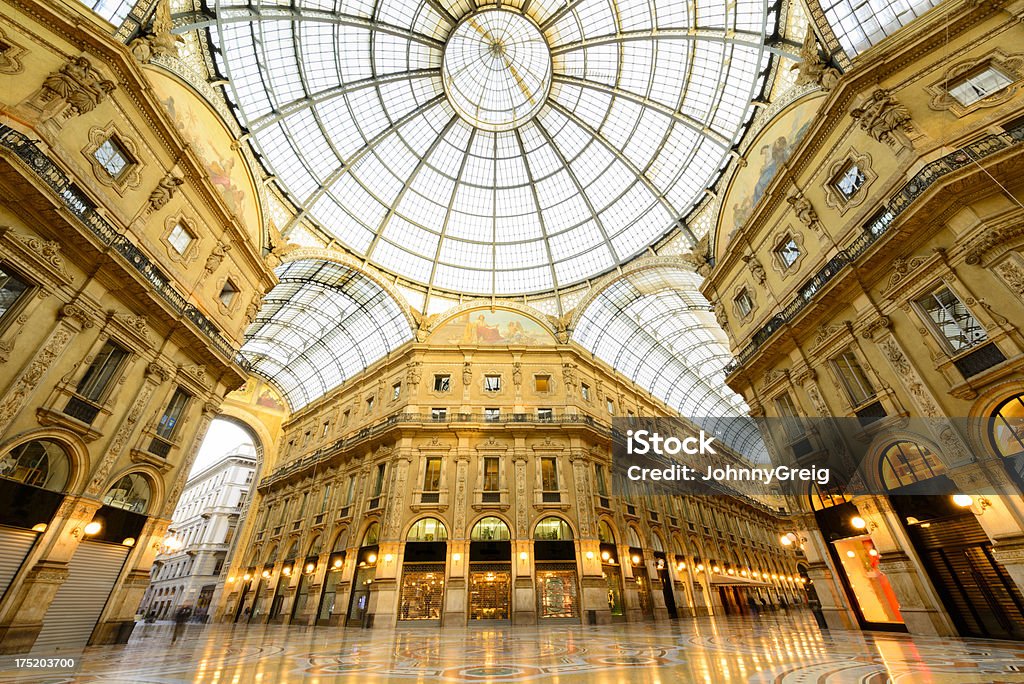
column 372, row 535
column 428, row 530
column 131, row 493
column 1008, row 427
column 490, row 529
column 604, row 533
column 315, row 546
column 341, row 541
column 656, row 544
column 822, row 498
column 905, row 463
column 271, row 555
column 552, row 529
column 293, row 551
column 40, row 463
column 632, row 538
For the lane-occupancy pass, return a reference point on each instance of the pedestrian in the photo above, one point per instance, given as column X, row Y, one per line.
column 180, row 619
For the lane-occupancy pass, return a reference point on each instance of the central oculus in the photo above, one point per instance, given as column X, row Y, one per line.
column 496, row 69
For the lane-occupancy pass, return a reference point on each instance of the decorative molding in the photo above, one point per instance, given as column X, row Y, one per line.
column 43, row 255
column 834, row 198
column 1011, row 270
column 27, row 381
column 158, row 40
column 74, row 89
column 875, row 325
column 79, row 314
column 164, row 192
column 1011, row 65
column 979, row 248
column 812, row 67
column 10, row 56
column 136, row 326
column 131, row 177
column 7, row 346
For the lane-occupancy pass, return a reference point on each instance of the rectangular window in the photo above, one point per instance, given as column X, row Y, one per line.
column 97, row 379
column 345, row 417
column 542, row 383
column 544, row 414
column 744, row 303
column 438, row 414
column 952, row 320
column 172, row 414
column 442, row 383
column 432, row 475
column 855, row 380
column 302, row 506
column 180, row 238
column 787, row 252
column 548, row 474
column 378, row 482
column 491, row 474
column 849, row 181
column 492, row 383
column 228, row 293
column 977, row 86
column 350, row 490
column 396, row 391
column 112, row 157
column 786, row 409
column 326, row 428
column 610, row 405
column 492, row 415
column 369, row 404
column 12, row 289
column 585, row 391
column 326, row 500
column 602, row 479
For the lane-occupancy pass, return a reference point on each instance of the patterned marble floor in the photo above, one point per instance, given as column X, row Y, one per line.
column 775, row 648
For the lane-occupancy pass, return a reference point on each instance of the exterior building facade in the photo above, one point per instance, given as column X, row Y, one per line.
column 202, row 529
column 879, row 280
column 125, row 279
column 468, row 478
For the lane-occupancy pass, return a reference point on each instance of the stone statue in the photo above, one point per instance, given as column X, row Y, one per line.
column 159, row 41
column 814, row 69
column 76, row 87
column 164, row 192
column 882, row 117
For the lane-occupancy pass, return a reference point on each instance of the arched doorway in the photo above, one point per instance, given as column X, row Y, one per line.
column 554, row 555
column 366, row 573
column 610, row 570
column 980, row 596
column 423, row 572
column 661, row 562
column 490, row 570
column 1006, row 430
column 640, row 576
column 327, row 611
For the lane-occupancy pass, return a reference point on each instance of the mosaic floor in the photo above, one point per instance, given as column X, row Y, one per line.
column 783, row 649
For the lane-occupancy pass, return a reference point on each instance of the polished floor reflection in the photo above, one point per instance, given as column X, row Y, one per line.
column 783, row 648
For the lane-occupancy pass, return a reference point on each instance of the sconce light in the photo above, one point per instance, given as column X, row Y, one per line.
column 286, row 571
column 371, row 559
column 786, row 539
column 681, row 566
column 388, row 558
column 456, row 557
column 731, row 571
column 700, row 567
column 266, row 573
column 231, row 580
column 605, row 555
column 310, row 567
column 337, row 562
column 715, row 568
column 524, row 556
column 89, row 530
column 635, row 559
column 39, row 527
column 247, row 577
column 661, row 564
column 128, row 541
column 590, row 555
column 859, row 523
column 966, row 501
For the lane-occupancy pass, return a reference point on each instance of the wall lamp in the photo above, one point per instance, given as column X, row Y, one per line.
column 967, row 501
column 89, row 530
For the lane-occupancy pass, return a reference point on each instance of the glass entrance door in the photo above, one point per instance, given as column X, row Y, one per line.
column 361, row 594
column 490, row 592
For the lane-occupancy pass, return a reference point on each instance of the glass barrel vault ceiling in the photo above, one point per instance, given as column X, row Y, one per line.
column 582, row 130
column 320, row 325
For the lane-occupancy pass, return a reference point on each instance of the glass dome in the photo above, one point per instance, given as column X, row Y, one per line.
column 500, row 149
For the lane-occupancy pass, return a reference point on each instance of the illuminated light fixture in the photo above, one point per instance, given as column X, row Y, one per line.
column 337, row 562
column 731, row 571
column 851, row 554
column 456, row 557
column 858, row 522
column 700, row 567
column 803, row 580
column 371, row 559
column 681, row 566
column 388, row 558
column 635, row 559
column 774, row 576
column 716, row 569
column 605, row 555
column 231, row 580
column 286, row 570
column 266, row 574
column 744, row 573
column 963, row 500
column 247, row 577
column 523, row 555
column 39, row 527
column 872, row 552
column 93, row 528
column 128, row 541
column 590, row 555
column 786, row 540
column 755, row 574
column 310, row 567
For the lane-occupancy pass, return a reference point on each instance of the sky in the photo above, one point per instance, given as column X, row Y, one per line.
column 221, row 439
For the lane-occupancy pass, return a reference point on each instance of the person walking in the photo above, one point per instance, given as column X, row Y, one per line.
column 180, row 619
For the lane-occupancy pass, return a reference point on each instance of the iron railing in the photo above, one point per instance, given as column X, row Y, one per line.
column 78, row 204
column 876, row 228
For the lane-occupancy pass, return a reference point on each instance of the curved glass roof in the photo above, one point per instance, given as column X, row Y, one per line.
column 114, row 11
column 859, row 24
column 320, row 325
column 655, row 327
column 491, row 148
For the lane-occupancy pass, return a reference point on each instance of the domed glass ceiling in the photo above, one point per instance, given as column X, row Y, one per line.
column 492, row 148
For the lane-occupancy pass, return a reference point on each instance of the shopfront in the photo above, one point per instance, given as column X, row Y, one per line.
column 421, row 597
column 490, row 570
column 366, row 572
column 328, row 608
column 557, row 582
column 611, row 571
